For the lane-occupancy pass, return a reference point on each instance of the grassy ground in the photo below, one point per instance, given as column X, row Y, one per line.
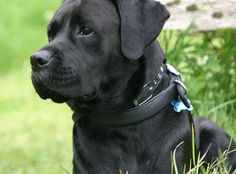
column 36, row 135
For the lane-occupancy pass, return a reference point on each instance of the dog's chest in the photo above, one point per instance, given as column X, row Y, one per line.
column 105, row 152
column 115, row 151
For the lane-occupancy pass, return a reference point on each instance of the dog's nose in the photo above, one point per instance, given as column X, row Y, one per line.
column 40, row 59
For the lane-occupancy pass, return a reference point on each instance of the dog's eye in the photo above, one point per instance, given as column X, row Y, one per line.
column 53, row 28
column 83, row 31
column 50, row 38
column 50, row 34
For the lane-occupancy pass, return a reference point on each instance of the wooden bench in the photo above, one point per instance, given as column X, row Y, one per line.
column 206, row 14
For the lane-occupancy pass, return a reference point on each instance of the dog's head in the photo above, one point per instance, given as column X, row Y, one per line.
column 94, row 44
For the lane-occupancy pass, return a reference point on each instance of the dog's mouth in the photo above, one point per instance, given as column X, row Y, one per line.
column 89, row 96
column 46, row 93
column 60, row 93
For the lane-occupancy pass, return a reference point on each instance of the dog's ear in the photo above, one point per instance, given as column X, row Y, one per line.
column 141, row 23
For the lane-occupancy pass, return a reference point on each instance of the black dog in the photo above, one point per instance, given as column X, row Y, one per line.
column 104, row 62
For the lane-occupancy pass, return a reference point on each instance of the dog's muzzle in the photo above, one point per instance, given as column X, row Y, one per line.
column 52, row 79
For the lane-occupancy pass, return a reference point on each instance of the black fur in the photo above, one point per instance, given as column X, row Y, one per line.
column 105, row 71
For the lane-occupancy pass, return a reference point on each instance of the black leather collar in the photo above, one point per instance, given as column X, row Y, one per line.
column 142, row 112
column 137, row 114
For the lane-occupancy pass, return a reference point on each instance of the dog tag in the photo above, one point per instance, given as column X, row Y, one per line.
column 179, row 106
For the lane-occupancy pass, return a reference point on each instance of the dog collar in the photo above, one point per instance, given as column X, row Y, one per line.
column 134, row 115
column 149, row 88
column 176, row 91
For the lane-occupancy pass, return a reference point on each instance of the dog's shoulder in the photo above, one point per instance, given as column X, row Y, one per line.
column 212, row 141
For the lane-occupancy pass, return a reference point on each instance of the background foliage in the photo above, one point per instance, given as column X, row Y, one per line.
column 36, row 135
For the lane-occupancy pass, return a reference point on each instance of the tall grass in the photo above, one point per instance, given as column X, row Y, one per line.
column 207, row 61
column 219, row 166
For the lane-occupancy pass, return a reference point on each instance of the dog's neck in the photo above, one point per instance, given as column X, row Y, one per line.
column 130, row 88
column 155, row 79
column 154, row 58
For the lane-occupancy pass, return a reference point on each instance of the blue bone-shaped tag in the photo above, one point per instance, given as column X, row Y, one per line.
column 179, row 106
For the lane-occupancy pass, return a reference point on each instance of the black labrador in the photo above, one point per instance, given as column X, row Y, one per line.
column 103, row 60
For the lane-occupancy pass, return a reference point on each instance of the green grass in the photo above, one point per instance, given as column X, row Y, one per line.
column 199, row 166
column 36, row 134
column 207, row 62
column 23, row 29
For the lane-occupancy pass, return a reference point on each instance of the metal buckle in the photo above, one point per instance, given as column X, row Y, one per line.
column 181, row 84
column 172, row 69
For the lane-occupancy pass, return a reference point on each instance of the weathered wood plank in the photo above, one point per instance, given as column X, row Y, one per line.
column 207, row 14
